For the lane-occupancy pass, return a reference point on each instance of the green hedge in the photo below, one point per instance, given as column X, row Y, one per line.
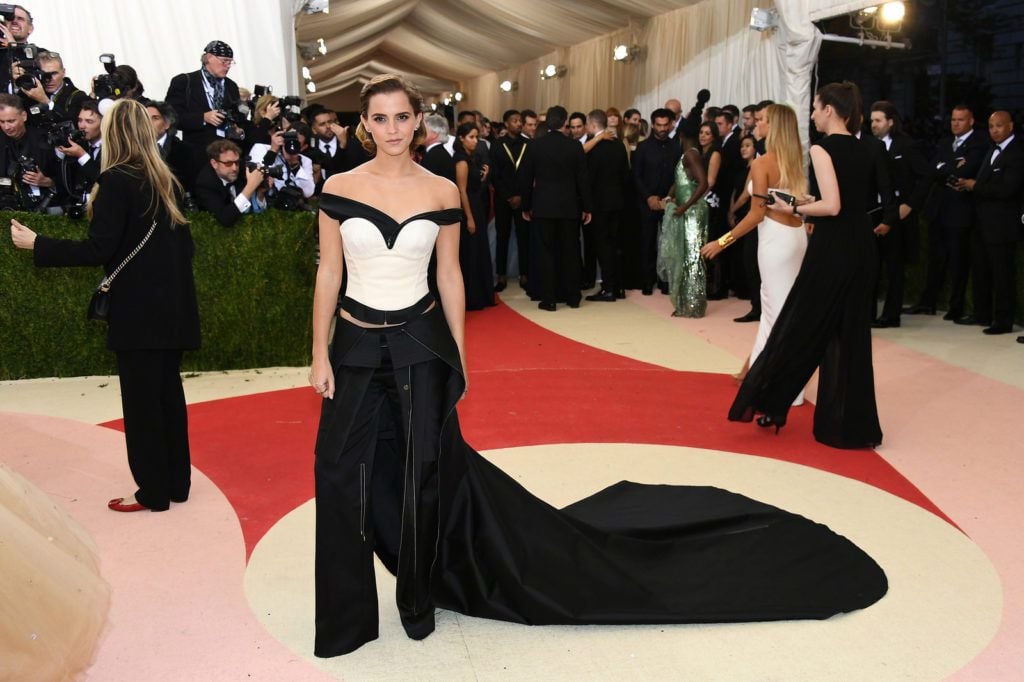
column 254, row 283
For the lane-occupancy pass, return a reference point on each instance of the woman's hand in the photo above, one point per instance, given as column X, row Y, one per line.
column 680, row 210
column 471, row 226
column 23, row 237
column 321, row 377
column 711, row 249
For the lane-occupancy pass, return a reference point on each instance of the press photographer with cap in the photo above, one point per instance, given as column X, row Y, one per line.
column 203, row 100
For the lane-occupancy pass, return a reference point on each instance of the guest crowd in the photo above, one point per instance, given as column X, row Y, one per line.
column 598, row 202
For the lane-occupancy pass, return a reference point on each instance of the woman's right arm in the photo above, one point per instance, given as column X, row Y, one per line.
column 325, row 302
column 759, row 177
column 462, row 180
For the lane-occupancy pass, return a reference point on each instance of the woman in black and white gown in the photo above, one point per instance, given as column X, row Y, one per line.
column 395, row 478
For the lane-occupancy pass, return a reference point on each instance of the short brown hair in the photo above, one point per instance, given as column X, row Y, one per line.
column 385, row 83
column 218, row 147
column 12, row 101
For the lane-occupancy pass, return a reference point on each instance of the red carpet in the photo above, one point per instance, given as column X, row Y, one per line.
column 528, row 386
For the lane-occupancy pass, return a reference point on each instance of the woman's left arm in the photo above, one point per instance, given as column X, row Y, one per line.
column 713, row 165
column 449, row 280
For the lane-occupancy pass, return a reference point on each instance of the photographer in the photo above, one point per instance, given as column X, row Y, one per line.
column 331, row 139
column 172, row 150
column 265, row 118
column 79, row 165
column 207, row 103
column 227, row 190
column 56, row 91
column 285, row 150
column 14, row 30
column 25, row 158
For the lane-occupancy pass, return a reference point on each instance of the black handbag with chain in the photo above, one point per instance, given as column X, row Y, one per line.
column 99, row 304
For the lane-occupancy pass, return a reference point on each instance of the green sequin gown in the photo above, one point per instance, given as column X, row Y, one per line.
column 679, row 260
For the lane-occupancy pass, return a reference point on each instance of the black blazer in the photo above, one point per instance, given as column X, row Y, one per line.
column 74, row 178
column 881, row 201
column 997, row 194
column 955, row 208
column 176, row 155
column 439, row 162
column 153, row 300
column 505, row 152
column 608, row 169
column 732, row 166
column 188, row 97
column 553, row 178
column 214, row 196
column 910, row 173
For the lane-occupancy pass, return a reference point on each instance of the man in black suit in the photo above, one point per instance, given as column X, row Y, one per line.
column 78, row 166
column 331, row 140
column 997, row 199
column 226, row 189
column 17, row 140
column 56, row 92
column 172, row 150
column 654, row 166
column 16, row 31
column 556, row 193
column 437, row 160
column 728, row 171
column 608, row 170
column 950, row 214
column 507, row 155
column 200, row 97
column 909, row 171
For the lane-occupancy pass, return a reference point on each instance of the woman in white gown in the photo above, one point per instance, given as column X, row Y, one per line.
column 782, row 239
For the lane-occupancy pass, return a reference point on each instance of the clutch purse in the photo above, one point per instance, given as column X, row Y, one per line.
column 99, row 304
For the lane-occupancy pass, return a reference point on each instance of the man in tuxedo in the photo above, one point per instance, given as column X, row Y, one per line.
column 331, row 140
column 17, row 140
column 13, row 32
column 78, row 165
column 556, row 193
column 608, row 170
column 437, row 160
column 225, row 188
column 728, row 171
column 506, row 160
column 654, row 166
column 56, row 92
column 530, row 123
column 578, row 126
column 950, row 215
column 200, row 97
column 172, row 150
column 747, row 119
column 997, row 193
column 908, row 170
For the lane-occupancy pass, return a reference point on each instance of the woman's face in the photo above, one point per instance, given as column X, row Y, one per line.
column 391, row 122
column 819, row 116
column 761, row 124
column 486, row 129
column 747, row 150
column 469, row 141
column 613, row 120
column 705, row 137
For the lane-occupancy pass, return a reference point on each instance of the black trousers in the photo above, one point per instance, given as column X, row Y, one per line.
column 590, row 254
column 604, row 226
column 994, row 270
column 949, row 247
column 155, row 425
column 752, row 270
column 379, row 494
column 650, row 223
column 892, row 258
column 558, row 251
column 504, row 219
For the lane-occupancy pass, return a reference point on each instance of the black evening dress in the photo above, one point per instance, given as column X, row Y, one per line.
column 826, row 321
column 461, row 534
column 474, row 249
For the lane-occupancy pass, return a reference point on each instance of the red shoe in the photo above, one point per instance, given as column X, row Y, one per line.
column 117, row 505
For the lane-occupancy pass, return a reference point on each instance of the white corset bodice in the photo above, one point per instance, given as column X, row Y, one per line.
column 386, row 260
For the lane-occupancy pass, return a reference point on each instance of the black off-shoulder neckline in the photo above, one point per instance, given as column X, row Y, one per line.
column 341, row 208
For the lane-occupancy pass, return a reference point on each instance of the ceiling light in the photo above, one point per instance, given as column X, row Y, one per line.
column 508, row 86
column 626, row 53
column 433, row 106
column 311, row 86
column 762, row 19
column 321, row 46
column 458, row 96
column 315, row 6
column 447, row 100
column 305, row 73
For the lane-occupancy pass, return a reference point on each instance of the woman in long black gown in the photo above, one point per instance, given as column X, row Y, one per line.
column 825, row 323
column 395, row 478
column 474, row 249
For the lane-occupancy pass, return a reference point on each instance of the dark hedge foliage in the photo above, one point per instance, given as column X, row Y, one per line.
column 254, row 282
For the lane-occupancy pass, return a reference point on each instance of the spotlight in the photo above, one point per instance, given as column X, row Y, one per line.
column 433, row 106
column 458, row 96
column 762, row 19
column 626, row 53
column 552, row 71
column 447, row 100
column 305, row 73
column 314, row 6
column 891, row 14
column 508, row 86
column 321, row 46
column 311, row 86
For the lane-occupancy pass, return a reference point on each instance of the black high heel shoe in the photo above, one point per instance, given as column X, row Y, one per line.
column 764, row 421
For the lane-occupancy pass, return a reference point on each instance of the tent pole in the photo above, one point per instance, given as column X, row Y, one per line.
column 865, row 42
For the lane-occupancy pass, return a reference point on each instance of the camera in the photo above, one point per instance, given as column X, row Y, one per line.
column 292, row 145
column 289, row 198
column 7, row 12
column 25, row 57
column 276, row 172
column 75, row 209
column 10, row 195
column 63, row 134
column 25, row 164
column 109, row 84
column 235, row 115
column 952, row 179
